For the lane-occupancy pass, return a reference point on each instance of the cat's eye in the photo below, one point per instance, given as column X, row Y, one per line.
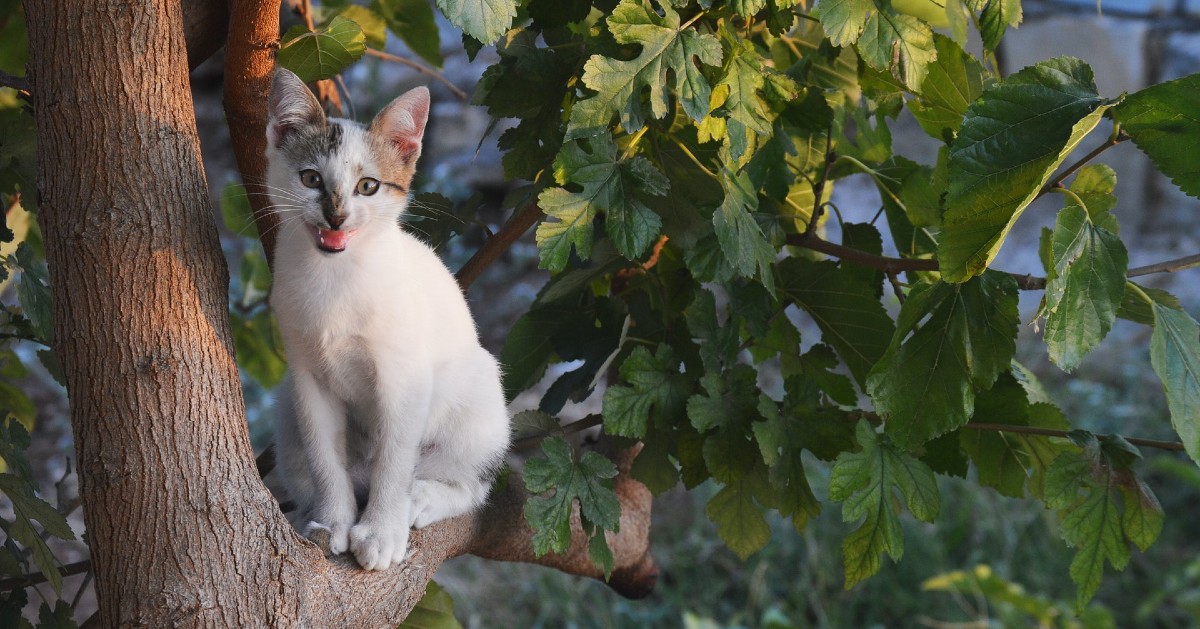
column 367, row 186
column 310, row 178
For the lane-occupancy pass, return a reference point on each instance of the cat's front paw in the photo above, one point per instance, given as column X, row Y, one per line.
column 378, row 547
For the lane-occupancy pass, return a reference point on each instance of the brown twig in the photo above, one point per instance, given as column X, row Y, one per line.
column 26, row 580
column 591, row 421
column 1173, row 446
column 819, row 188
column 495, row 246
column 897, row 265
column 1060, row 177
column 430, row 72
column 19, row 83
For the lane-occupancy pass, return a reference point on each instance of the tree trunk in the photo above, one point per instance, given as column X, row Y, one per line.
column 170, row 495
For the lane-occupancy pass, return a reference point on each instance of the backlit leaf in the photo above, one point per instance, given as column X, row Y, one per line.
column 1010, row 142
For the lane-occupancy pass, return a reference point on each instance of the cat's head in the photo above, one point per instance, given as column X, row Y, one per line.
column 336, row 178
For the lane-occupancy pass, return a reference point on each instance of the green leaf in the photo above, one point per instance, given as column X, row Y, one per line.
column 998, row 455
column 739, row 520
column 26, row 508
column 1087, row 287
column 1137, row 308
column 610, row 186
column 484, row 20
column 900, row 42
column 236, row 212
column 527, row 349
column 1163, row 122
column 563, row 479
column 667, row 49
column 995, row 17
column 655, row 389
column 435, row 610
column 745, row 110
column 926, row 385
column 1010, row 142
column 1102, row 506
column 781, row 439
column 844, row 20
column 729, row 400
column 60, row 617
column 18, row 144
column 954, row 81
column 413, row 22
column 653, row 467
column 1094, row 185
column 259, row 347
column 373, row 25
column 323, row 53
column 851, row 318
column 1175, row 355
column 864, row 482
column 741, row 239
column 34, row 293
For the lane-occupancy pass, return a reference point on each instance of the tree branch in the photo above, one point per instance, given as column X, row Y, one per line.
column 249, row 60
column 359, row 597
column 430, row 72
column 24, row 581
column 1173, row 446
column 896, row 265
column 1060, row 177
column 19, row 83
column 495, row 246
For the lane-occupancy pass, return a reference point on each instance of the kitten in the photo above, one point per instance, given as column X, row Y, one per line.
column 389, row 399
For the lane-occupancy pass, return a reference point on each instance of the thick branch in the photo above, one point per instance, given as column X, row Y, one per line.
column 495, row 246
column 499, row 531
column 249, row 60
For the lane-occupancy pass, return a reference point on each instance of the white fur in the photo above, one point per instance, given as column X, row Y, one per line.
column 380, row 343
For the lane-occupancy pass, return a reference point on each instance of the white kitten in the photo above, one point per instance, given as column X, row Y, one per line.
column 389, row 399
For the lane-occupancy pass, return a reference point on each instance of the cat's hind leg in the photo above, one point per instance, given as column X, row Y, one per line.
column 467, row 445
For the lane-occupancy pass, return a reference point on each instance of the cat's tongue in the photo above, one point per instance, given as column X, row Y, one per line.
column 332, row 240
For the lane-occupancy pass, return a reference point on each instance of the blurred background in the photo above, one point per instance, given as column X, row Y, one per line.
column 988, row 561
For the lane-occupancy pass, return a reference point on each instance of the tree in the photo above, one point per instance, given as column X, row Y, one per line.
column 680, row 156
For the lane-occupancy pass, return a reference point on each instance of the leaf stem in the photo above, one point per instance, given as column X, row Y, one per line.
column 693, row 20
column 695, row 160
column 633, row 142
column 819, row 189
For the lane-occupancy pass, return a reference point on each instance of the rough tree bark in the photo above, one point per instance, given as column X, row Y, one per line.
column 181, row 528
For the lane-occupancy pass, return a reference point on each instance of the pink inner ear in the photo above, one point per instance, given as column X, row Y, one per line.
column 404, row 122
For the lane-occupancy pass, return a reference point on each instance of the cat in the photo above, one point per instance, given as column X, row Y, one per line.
column 389, row 400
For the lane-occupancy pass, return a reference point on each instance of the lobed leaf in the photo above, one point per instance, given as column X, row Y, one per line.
column 864, row 482
column 668, row 49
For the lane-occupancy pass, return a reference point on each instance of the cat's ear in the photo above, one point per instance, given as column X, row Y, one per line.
column 403, row 122
column 290, row 106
